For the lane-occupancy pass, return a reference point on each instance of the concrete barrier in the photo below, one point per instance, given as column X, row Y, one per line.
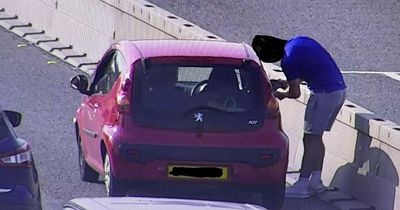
column 362, row 151
column 89, row 27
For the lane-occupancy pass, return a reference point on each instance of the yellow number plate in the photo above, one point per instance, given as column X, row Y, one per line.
column 198, row 172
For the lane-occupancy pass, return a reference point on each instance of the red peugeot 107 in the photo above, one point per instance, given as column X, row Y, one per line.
column 181, row 112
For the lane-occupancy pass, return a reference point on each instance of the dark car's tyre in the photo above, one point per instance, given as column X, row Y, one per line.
column 273, row 197
column 114, row 187
column 86, row 172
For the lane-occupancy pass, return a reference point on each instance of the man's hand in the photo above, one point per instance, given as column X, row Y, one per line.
column 279, row 83
column 284, row 84
column 293, row 92
column 280, row 95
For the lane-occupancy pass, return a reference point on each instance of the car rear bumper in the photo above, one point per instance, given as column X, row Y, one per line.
column 250, row 156
column 242, row 166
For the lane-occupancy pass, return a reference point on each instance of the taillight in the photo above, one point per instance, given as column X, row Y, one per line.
column 123, row 103
column 21, row 157
column 273, row 107
column 273, row 111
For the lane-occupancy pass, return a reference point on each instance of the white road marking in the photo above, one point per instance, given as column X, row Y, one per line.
column 393, row 75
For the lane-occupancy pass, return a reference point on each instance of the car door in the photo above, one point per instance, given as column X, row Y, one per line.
column 100, row 86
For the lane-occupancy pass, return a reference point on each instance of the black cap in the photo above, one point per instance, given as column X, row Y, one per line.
column 268, row 48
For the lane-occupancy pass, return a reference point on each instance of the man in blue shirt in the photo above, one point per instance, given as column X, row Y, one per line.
column 304, row 59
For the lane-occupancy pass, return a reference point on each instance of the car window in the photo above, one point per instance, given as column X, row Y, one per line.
column 169, row 94
column 108, row 73
column 115, row 71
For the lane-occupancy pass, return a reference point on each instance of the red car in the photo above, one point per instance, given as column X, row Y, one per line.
column 181, row 112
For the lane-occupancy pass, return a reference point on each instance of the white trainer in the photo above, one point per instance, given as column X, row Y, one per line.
column 298, row 190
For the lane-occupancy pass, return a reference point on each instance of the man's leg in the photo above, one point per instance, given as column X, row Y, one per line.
column 314, row 153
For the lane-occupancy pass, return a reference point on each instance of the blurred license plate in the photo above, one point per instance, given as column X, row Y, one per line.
column 198, row 172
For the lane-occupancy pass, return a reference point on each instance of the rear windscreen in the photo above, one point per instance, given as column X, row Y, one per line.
column 196, row 96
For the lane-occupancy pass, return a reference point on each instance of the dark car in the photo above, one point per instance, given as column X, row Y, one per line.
column 19, row 184
column 181, row 112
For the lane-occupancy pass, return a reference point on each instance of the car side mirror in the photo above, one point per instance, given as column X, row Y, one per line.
column 14, row 117
column 80, row 83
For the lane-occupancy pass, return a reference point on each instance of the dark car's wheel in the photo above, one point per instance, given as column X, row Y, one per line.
column 86, row 172
column 273, row 197
column 114, row 187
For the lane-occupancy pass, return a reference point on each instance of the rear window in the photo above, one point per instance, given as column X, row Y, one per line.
column 197, row 96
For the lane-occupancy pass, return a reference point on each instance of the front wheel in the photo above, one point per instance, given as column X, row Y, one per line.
column 86, row 172
column 114, row 187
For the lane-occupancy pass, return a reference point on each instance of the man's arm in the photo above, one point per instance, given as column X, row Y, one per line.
column 293, row 92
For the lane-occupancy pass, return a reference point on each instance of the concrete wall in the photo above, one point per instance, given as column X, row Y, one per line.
column 363, row 151
column 91, row 26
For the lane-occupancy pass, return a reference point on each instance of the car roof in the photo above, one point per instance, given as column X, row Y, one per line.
column 141, row 203
column 197, row 48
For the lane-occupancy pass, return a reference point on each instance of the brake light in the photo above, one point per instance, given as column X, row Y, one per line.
column 21, row 157
column 126, row 85
column 273, row 107
column 123, row 104
column 273, row 111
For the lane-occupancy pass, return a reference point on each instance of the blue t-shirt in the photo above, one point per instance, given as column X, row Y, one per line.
column 305, row 59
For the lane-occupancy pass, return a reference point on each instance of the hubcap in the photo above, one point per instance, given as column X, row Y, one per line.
column 107, row 174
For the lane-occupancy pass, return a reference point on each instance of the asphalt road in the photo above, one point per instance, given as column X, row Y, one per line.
column 41, row 92
column 362, row 36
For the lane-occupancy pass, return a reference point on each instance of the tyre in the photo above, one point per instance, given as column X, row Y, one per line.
column 273, row 197
column 114, row 187
column 86, row 172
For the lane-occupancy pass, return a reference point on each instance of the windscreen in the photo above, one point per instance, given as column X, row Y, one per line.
column 197, row 96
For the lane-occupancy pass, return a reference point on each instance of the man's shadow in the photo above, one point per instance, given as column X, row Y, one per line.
column 372, row 177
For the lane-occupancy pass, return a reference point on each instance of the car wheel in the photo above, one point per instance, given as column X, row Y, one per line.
column 114, row 187
column 273, row 197
column 86, row 172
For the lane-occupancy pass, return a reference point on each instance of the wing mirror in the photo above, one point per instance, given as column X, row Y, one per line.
column 80, row 83
column 14, row 117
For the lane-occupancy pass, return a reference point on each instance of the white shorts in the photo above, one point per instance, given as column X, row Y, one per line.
column 321, row 111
